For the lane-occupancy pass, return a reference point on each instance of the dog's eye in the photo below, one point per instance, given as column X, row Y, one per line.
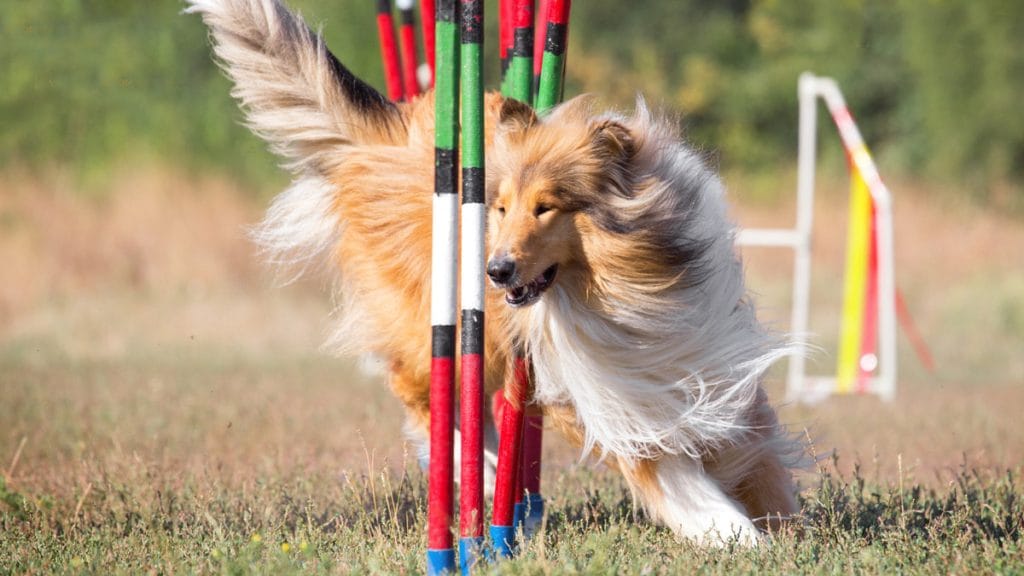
column 540, row 209
column 501, row 210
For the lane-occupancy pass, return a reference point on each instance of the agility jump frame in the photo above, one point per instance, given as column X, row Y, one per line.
column 799, row 385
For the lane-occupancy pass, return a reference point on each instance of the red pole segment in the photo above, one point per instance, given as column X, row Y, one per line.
column 427, row 16
column 538, row 39
column 520, row 506
column 407, row 41
column 510, row 446
column 533, row 441
column 442, row 425
column 868, row 359
column 924, row 354
column 504, row 37
column 389, row 50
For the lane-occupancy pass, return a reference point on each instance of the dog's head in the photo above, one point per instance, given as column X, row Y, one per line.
column 552, row 180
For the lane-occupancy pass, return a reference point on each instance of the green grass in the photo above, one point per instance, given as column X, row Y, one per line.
column 374, row 525
column 220, row 464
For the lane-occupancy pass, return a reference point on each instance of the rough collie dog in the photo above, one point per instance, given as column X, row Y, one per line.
column 609, row 245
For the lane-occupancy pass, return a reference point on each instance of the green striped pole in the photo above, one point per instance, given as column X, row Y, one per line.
column 552, row 72
column 444, row 257
column 471, row 486
column 520, row 67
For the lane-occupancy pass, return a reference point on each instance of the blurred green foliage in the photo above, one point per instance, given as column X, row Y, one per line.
column 935, row 85
column 95, row 84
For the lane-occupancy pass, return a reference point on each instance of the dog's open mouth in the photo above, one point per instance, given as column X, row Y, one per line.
column 530, row 292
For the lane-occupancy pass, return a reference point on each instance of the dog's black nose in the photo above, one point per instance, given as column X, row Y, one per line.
column 501, row 269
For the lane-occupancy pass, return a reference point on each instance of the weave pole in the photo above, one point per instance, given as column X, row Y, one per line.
column 555, row 15
column 538, row 42
column 471, row 495
column 520, row 66
column 552, row 73
column 504, row 40
column 509, row 449
column 508, row 493
column 532, row 506
column 444, row 255
column 389, row 50
column 428, row 29
column 407, row 43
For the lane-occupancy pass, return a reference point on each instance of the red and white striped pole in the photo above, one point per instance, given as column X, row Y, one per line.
column 427, row 29
column 407, row 43
column 389, row 50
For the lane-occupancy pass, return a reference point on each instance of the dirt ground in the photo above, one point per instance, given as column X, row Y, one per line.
column 139, row 333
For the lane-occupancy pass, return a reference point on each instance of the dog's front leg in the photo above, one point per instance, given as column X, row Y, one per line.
column 677, row 491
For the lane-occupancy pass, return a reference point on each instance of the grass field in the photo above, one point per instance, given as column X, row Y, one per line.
column 165, row 409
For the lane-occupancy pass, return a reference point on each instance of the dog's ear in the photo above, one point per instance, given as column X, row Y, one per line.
column 295, row 93
column 516, row 117
column 614, row 141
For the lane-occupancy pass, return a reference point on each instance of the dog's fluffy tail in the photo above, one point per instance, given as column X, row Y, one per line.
column 295, row 93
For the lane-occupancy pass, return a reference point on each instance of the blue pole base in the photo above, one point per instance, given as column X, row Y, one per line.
column 534, row 514
column 503, row 538
column 518, row 512
column 471, row 551
column 440, row 562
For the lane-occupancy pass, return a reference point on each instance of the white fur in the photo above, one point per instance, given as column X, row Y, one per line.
column 694, row 506
column 300, row 228
column 677, row 372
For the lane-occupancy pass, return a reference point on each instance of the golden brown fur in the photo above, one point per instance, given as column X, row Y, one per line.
column 384, row 198
column 647, row 288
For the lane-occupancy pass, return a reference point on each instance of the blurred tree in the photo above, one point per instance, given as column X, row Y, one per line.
column 935, row 85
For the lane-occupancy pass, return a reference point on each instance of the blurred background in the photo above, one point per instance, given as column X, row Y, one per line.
column 137, row 323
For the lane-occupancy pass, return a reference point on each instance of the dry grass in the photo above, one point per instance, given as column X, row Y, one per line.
column 146, row 355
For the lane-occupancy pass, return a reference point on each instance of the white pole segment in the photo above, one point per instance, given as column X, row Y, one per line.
column 806, row 151
column 444, row 256
column 474, row 217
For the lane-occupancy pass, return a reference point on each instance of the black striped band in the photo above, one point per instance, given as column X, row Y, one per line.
column 445, row 11
column 555, row 41
column 472, row 332
column 408, row 17
column 522, row 44
column 383, row 6
column 472, row 22
column 442, row 341
column 472, row 185
column 445, row 171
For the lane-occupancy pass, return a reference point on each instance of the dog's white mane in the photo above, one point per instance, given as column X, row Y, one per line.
column 673, row 373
